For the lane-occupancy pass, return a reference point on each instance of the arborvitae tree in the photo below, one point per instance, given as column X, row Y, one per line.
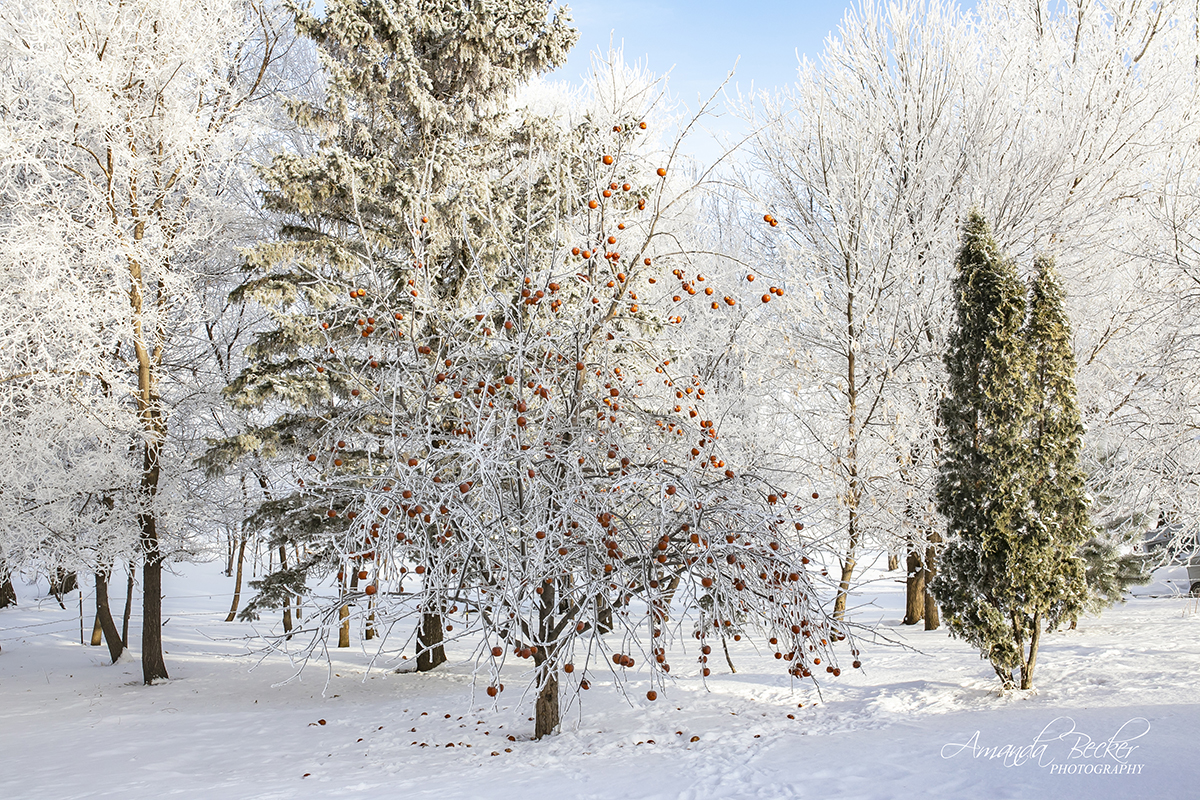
column 411, row 137
column 1011, row 484
column 1061, row 504
column 1109, row 571
column 984, row 477
column 1093, row 572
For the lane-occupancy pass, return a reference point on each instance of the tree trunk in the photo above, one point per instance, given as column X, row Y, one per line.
column 546, row 711
column 128, row 608
column 287, row 601
column 1031, row 661
column 1006, row 678
column 849, row 561
column 153, row 666
column 344, row 611
column 148, row 352
column 932, row 617
column 430, row 653
column 8, row 592
column 299, row 611
column 914, row 595
column 893, row 562
column 104, row 617
column 344, row 628
column 97, row 633
column 668, row 596
column 62, row 583
column 237, row 581
column 854, row 495
column 547, row 714
column 604, row 616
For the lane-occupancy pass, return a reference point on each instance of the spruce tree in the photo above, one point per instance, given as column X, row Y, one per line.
column 409, row 168
column 983, row 487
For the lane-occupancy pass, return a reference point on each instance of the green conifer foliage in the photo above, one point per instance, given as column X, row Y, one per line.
column 1110, row 571
column 1060, row 501
column 1010, row 483
column 413, row 135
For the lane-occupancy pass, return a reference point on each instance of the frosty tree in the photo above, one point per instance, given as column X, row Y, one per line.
column 500, row 430
column 117, row 123
column 862, row 167
column 1106, row 187
column 1010, row 484
column 555, row 482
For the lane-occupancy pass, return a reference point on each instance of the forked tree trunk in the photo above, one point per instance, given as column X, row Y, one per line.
column 237, row 581
column 914, row 589
column 154, row 431
column 105, row 619
column 62, row 583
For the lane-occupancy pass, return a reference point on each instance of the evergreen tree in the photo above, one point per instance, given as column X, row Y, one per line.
column 1060, row 510
column 984, row 486
column 1109, row 571
column 408, row 170
column 1103, row 568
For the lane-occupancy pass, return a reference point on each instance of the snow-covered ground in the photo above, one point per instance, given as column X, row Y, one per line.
column 922, row 721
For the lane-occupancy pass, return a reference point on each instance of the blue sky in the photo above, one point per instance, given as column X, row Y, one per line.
column 701, row 40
